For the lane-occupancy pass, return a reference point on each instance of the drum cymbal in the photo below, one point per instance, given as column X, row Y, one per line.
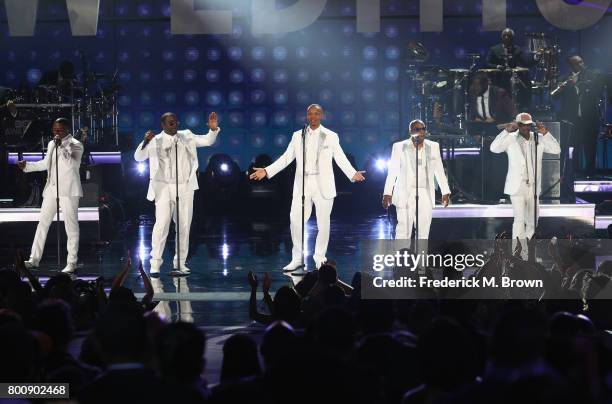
column 458, row 70
column 489, row 70
column 519, row 69
column 417, row 52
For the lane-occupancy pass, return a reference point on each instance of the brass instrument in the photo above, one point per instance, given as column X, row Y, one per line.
column 561, row 86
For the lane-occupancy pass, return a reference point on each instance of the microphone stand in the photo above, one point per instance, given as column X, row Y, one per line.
column 177, row 272
column 57, row 207
column 535, row 185
column 303, row 265
column 416, row 172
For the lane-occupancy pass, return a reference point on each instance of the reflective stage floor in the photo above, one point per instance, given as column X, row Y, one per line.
column 224, row 250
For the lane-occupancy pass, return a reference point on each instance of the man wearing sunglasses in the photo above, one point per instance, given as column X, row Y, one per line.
column 160, row 151
column 401, row 184
column 518, row 141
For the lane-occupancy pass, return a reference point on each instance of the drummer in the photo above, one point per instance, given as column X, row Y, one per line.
column 506, row 55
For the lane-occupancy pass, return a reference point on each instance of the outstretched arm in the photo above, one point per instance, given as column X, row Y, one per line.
column 274, row 168
column 40, row 165
column 345, row 164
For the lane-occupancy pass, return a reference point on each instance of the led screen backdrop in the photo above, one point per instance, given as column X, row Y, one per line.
column 261, row 84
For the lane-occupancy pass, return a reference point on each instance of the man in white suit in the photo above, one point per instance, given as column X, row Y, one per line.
column 69, row 152
column 401, row 184
column 322, row 146
column 518, row 141
column 160, row 151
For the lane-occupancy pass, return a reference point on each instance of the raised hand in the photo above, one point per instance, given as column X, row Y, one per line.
column 511, row 127
column 358, row 177
column 541, row 128
column 213, row 122
column 149, row 135
column 252, row 280
column 259, row 174
column 386, row 201
column 266, row 283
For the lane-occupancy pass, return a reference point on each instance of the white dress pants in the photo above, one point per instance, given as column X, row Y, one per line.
column 406, row 216
column 69, row 206
column 323, row 211
column 165, row 210
column 523, row 207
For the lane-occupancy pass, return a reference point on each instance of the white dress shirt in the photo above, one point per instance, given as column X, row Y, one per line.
column 312, row 150
column 422, row 162
column 486, row 113
column 528, row 151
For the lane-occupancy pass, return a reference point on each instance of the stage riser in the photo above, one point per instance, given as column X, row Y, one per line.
column 485, row 228
column 22, row 233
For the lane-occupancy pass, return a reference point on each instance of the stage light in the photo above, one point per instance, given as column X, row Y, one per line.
column 325, row 96
column 258, row 119
column 141, row 168
column 34, row 76
column 392, row 96
column 192, row 119
column 123, row 56
column 192, row 98
column 258, row 96
column 214, row 98
column 381, row 164
column 212, row 75
column 213, row 54
column 301, row 52
column 236, row 76
column 370, row 53
column 368, row 95
column 258, row 53
column 168, row 75
column 302, row 97
column 145, row 98
column 347, row 97
column 235, row 98
column 236, row 118
column 258, row 75
column 368, row 74
column 224, row 167
column 280, row 76
column 391, row 31
column 279, row 53
column 124, row 100
column 302, row 75
column 234, row 53
column 189, row 75
column 281, row 96
column 391, row 73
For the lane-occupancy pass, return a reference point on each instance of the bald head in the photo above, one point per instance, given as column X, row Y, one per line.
column 576, row 63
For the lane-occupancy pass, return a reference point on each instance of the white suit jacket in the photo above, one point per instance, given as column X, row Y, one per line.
column 329, row 148
column 70, row 153
column 401, row 176
column 508, row 142
column 190, row 140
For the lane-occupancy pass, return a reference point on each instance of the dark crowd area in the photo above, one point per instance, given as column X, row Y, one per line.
column 320, row 341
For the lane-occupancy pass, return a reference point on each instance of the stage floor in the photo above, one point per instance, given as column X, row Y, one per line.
column 224, row 250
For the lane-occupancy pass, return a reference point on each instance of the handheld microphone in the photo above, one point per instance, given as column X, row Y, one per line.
column 145, row 143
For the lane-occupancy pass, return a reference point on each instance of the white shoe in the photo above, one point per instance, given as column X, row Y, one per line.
column 154, row 270
column 29, row 264
column 69, row 269
column 292, row 266
column 184, row 268
column 318, row 263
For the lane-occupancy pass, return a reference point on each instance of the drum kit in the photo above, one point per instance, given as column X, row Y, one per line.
column 90, row 103
column 440, row 96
